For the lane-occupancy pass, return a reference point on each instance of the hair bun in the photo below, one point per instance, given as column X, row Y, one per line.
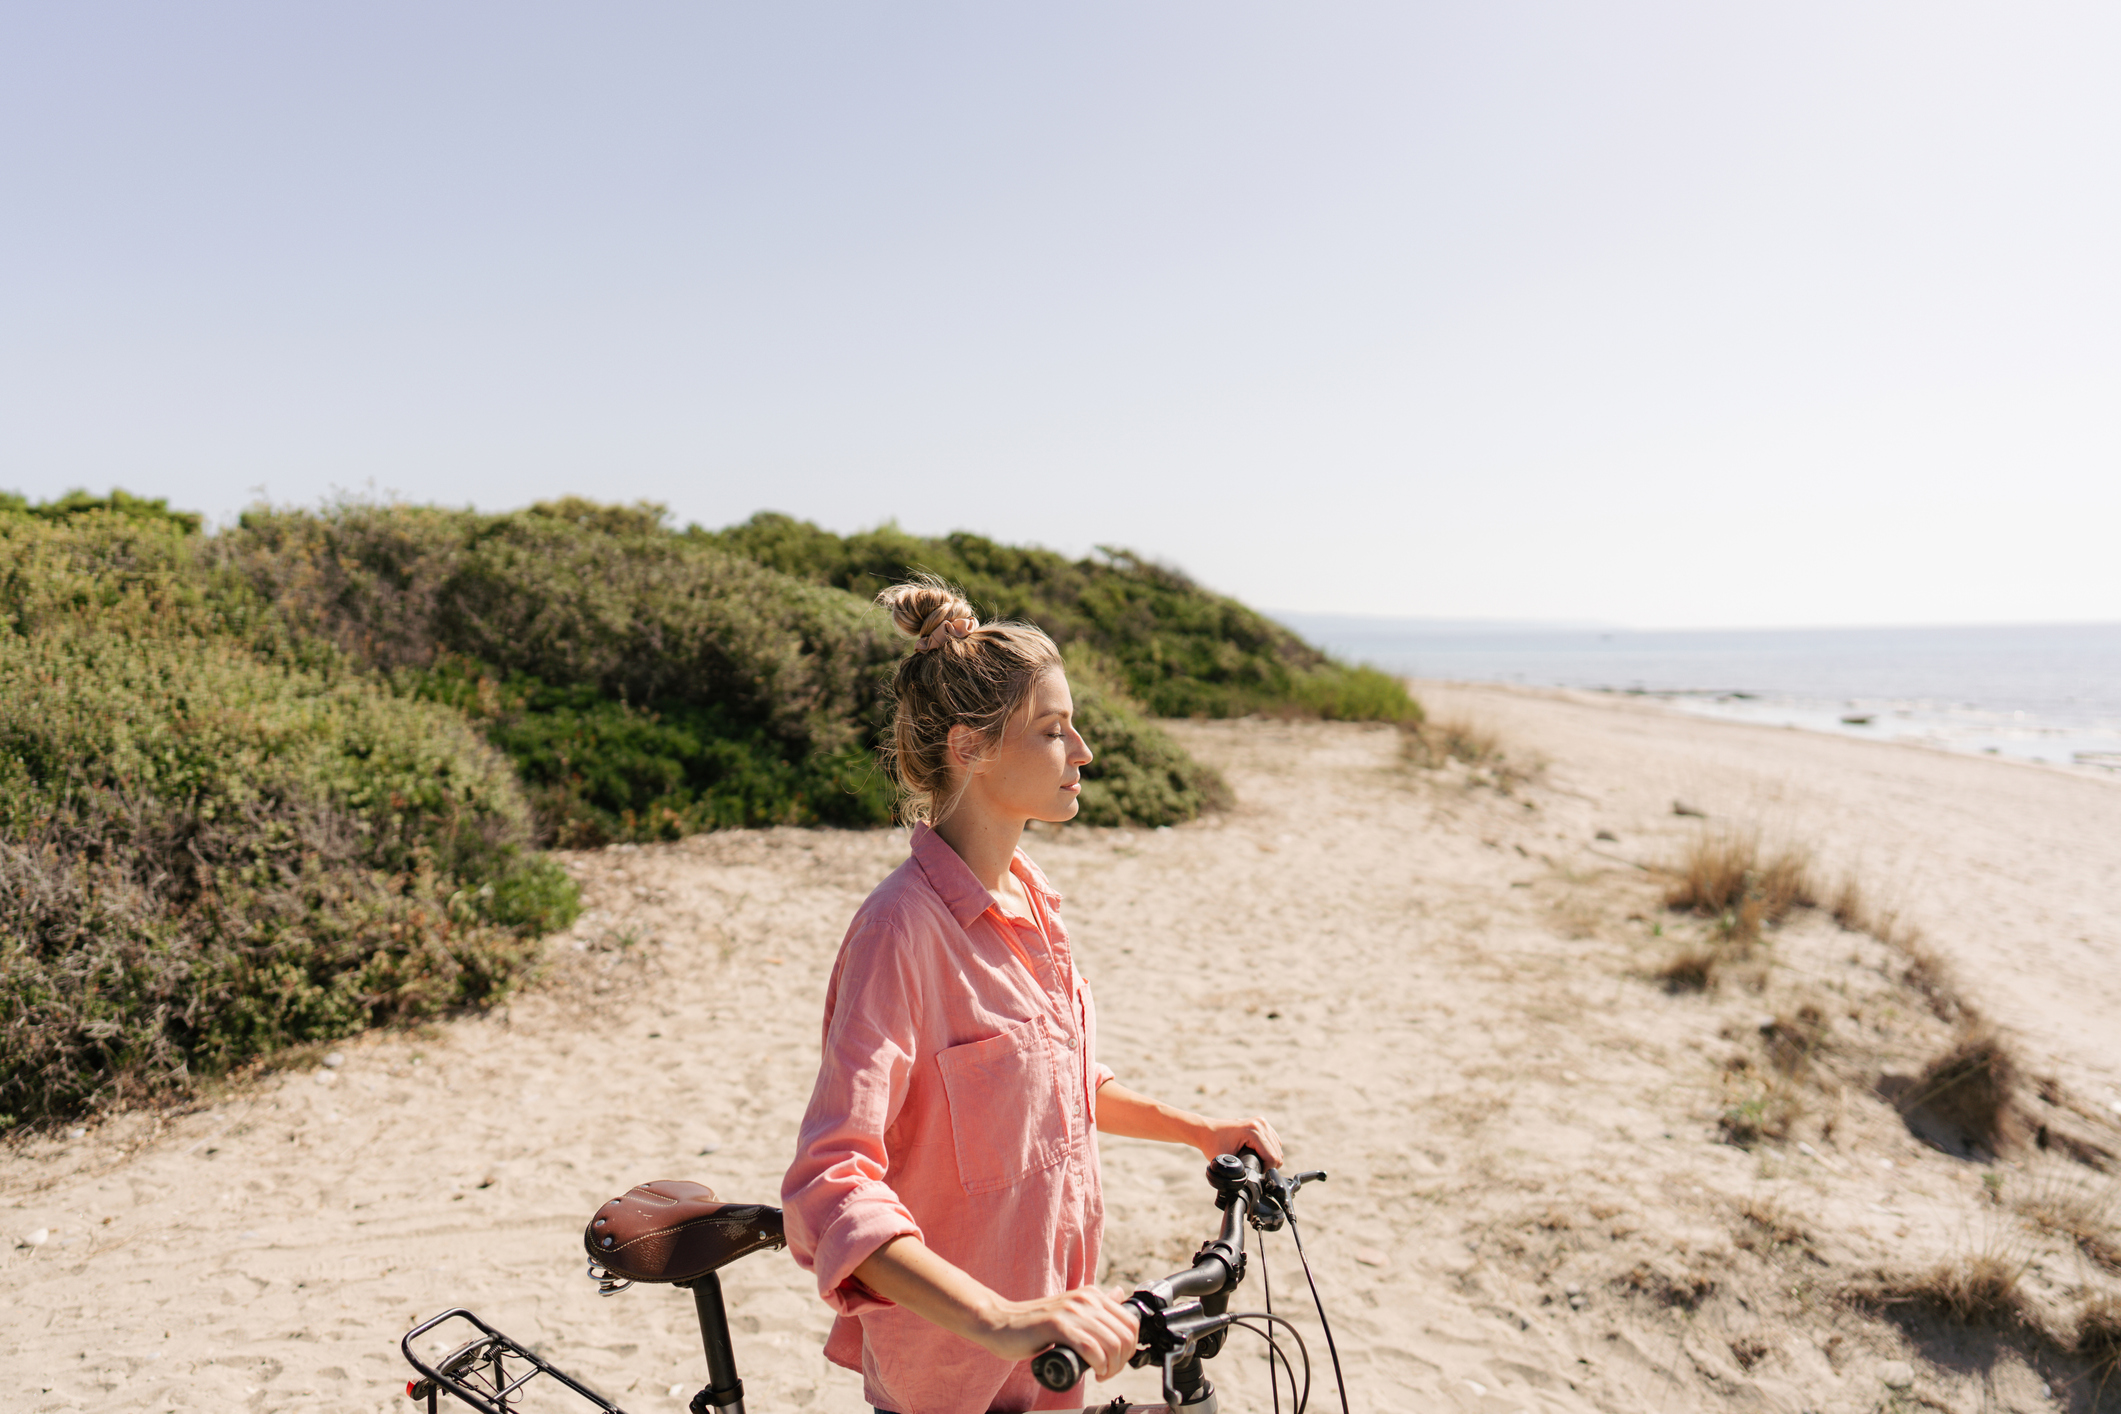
column 924, row 604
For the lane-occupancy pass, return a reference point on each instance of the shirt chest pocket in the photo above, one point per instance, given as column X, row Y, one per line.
column 1006, row 1116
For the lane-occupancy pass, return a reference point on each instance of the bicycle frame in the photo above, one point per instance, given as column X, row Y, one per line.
column 491, row 1347
column 1184, row 1320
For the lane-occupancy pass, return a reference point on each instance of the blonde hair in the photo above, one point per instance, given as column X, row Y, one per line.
column 960, row 673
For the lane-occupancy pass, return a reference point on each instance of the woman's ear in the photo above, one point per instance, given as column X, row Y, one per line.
column 963, row 749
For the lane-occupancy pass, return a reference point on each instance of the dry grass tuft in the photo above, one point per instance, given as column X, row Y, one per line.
column 2064, row 1206
column 1472, row 744
column 1700, row 966
column 1749, row 1351
column 1690, row 970
column 1760, row 1106
column 1769, row 1116
column 1851, row 908
column 2098, row 1333
column 1980, row 1289
column 1685, row 1290
column 1796, row 1039
column 1926, row 972
column 1711, row 877
column 1856, row 911
column 1725, row 875
column 1768, row 1230
column 1454, row 739
column 1784, row 884
column 1972, row 1087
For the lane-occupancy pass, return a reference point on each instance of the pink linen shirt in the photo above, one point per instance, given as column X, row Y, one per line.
column 956, row 1101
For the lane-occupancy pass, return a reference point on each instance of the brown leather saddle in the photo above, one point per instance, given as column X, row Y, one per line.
column 675, row 1231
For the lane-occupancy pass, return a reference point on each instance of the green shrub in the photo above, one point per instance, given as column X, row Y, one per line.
column 214, row 840
column 118, row 505
column 599, row 769
column 646, row 684
column 1176, row 648
column 535, row 897
column 1358, row 694
column 649, row 684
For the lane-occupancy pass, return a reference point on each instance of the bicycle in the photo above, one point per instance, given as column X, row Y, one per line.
column 676, row 1233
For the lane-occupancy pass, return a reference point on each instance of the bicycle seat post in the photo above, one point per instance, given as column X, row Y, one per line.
column 724, row 1393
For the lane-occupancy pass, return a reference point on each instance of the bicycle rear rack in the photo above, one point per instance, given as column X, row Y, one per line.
column 477, row 1372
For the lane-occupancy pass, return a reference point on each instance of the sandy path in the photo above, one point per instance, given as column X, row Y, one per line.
column 1436, row 989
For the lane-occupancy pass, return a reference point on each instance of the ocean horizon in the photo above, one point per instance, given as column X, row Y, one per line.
column 2044, row 692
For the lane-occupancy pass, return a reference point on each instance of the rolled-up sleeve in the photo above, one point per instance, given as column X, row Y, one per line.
column 837, row 1198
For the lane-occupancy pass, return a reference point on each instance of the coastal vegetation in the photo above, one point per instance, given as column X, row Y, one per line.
column 649, row 683
column 1174, row 647
column 279, row 783
column 644, row 685
column 215, row 839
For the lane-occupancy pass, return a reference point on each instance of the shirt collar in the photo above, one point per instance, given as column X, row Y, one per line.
column 956, row 885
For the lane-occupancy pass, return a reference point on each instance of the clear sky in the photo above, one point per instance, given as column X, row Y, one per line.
column 1657, row 314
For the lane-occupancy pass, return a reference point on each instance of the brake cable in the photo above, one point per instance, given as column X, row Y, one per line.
column 1331, row 1349
column 1244, row 1320
column 1266, row 1286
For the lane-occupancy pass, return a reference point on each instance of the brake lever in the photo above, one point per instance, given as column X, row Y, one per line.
column 1278, row 1192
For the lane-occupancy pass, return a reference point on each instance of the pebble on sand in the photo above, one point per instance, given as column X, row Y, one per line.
column 1370, row 1257
column 1896, row 1374
column 37, row 1238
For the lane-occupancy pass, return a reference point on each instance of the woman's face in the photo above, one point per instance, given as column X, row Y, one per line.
column 1035, row 771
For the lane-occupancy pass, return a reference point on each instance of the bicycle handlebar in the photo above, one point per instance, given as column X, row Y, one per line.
column 1245, row 1189
column 1058, row 1367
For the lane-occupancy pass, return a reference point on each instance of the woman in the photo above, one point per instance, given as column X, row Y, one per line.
column 945, row 1188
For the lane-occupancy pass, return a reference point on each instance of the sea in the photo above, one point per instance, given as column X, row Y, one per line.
column 2041, row 692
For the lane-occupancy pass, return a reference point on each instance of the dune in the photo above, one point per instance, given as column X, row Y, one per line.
column 1556, row 1185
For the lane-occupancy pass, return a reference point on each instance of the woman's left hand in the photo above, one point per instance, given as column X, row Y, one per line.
column 1227, row 1136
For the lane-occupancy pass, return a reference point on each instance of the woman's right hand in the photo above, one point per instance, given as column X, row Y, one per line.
column 1091, row 1322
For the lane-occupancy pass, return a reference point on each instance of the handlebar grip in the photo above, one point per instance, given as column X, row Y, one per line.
column 1059, row 1368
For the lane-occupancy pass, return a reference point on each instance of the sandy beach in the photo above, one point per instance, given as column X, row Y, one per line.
column 1440, row 982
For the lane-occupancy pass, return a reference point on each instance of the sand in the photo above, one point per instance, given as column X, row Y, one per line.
column 1440, row 983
